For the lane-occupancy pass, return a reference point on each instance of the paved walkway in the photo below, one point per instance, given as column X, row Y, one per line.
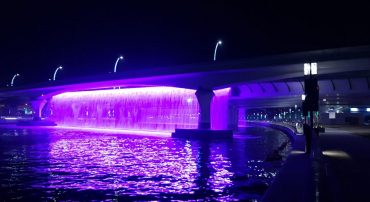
column 295, row 180
column 341, row 173
column 345, row 164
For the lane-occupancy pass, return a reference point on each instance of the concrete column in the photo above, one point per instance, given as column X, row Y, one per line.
column 233, row 117
column 204, row 97
column 37, row 106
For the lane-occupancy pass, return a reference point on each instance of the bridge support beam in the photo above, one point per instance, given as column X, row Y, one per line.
column 204, row 97
column 37, row 106
column 233, row 114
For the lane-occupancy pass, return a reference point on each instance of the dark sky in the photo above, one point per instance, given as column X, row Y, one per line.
column 87, row 37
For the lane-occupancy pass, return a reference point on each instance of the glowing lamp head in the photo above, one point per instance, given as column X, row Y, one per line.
column 314, row 68
column 60, row 67
column 219, row 42
column 310, row 68
column 303, row 97
column 121, row 57
column 306, row 69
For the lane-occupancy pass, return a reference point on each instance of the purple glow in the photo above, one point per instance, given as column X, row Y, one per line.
column 135, row 166
column 93, row 166
column 219, row 109
column 134, row 110
column 119, row 131
column 149, row 108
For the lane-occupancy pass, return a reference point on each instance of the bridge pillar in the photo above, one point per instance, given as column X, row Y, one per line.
column 204, row 97
column 233, row 118
column 37, row 106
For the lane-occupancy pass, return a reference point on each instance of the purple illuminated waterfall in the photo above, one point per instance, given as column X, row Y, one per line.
column 219, row 109
column 148, row 108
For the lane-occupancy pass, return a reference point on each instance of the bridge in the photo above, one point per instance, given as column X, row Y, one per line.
column 265, row 82
column 219, row 96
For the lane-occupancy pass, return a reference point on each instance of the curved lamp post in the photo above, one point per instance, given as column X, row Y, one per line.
column 55, row 72
column 12, row 82
column 214, row 54
column 115, row 65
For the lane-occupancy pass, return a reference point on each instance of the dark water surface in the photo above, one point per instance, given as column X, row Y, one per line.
column 43, row 164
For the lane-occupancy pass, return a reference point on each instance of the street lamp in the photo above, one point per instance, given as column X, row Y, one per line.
column 12, row 82
column 55, row 72
column 115, row 65
column 214, row 54
column 310, row 68
column 303, row 97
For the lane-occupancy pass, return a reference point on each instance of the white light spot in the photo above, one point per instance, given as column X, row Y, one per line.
column 297, row 152
column 336, row 154
column 303, row 97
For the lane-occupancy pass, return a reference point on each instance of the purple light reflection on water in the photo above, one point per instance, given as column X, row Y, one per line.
column 119, row 131
column 131, row 164
column 49, row 164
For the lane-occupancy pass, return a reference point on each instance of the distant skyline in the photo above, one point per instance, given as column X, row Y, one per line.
column 87, row 37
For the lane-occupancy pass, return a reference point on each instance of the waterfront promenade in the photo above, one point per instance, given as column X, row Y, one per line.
column 345, row 164
column 341, row 171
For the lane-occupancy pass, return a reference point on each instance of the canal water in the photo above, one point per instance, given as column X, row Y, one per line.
column 42, row 164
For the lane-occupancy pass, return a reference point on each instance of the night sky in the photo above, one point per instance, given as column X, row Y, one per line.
column 87, row 37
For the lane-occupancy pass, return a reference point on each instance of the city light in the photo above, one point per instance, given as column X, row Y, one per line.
column 303, row 97
column 12, row 82
column 368, row 109
column 306, row 69
column 55, row 72
column 354, row 109
column 115, row 65
column 314, row 68
column 10, row 118
column 310, row 68
column 215, row 52
column 336, row 154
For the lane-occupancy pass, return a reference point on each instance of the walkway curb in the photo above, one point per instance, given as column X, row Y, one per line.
column 295, row 180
